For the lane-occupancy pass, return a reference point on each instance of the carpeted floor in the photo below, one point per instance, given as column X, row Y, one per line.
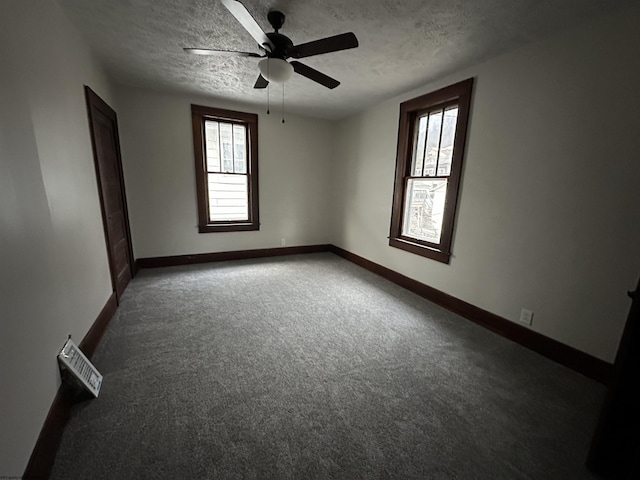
column 311, row 367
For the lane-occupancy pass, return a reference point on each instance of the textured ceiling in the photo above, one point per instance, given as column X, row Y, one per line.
column 403, row 43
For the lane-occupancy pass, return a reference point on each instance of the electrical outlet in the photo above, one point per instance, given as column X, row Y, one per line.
column 283, row 241
column 526, row 316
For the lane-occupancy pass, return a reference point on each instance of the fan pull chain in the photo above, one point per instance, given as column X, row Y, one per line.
column 283, row 103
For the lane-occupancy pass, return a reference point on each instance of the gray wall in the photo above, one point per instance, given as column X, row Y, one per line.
column 54, row 275
column 157, row 150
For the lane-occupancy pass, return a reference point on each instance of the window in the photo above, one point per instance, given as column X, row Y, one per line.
column 225, row 145
column 431, row 139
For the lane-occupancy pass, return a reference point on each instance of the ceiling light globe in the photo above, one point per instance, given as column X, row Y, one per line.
column 275, row 70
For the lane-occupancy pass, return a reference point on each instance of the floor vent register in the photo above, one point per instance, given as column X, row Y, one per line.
column 74, row 365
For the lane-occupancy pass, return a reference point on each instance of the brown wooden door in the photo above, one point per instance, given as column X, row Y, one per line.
column 106, row 153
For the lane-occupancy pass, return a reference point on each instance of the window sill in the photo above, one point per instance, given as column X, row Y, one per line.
column 228, row 227
column 419, row 249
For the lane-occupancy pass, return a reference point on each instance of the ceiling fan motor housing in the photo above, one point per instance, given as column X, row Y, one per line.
column 281, row 43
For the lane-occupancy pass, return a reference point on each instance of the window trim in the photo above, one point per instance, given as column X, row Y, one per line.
column 409, row 112
column 199, row 114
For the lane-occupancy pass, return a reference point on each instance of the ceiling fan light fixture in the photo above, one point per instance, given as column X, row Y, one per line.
column 275, row 70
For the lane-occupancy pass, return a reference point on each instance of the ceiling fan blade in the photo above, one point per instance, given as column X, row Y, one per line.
column 250, row 25
column 226, row 53
column 336, row 43
column 261, row 82
column 315, row 75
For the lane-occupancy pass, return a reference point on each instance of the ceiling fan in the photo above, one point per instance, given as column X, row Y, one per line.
column 278, row 48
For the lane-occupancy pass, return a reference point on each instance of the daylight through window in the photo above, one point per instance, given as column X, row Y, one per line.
column 225, row 145
column 227, row 171
column 431, row 167
column 430, row 145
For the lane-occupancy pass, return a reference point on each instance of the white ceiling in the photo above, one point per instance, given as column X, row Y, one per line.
column 403, row 43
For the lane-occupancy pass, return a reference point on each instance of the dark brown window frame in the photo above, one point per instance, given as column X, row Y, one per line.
column 460, row 93
column 199, row 114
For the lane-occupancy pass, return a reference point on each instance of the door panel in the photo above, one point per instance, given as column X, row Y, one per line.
column 106, row 150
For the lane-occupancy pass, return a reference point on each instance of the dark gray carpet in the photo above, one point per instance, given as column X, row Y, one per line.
column 310, row 367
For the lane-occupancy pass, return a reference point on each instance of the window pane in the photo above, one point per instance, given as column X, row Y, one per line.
column 418, row 151
column 239, row 148
column 228, row 197
column 226, row 147
column 424, row 209
column 433, row 142
column 213, row 149
column 446, row 144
